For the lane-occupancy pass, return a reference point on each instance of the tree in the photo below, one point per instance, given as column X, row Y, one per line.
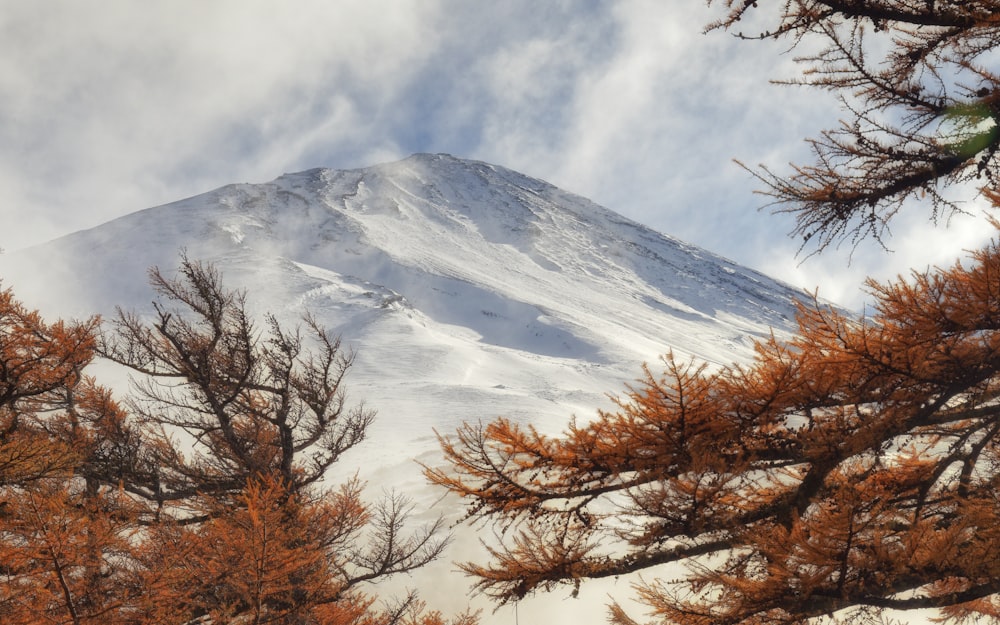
column 199, row 498
column 241, row 426
column 65, row 537
column 851, row 470
column 38, row 362
column 253, row 404
column 922, row 101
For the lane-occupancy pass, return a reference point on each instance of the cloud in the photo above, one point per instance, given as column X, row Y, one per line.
column 107, row 108
column 917, row 244
column 134, row 103
column 110, row 108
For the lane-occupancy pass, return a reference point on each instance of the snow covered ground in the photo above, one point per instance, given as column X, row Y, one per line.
column 468, row 291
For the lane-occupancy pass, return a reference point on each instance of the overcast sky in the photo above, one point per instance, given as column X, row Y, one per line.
column 114, row 106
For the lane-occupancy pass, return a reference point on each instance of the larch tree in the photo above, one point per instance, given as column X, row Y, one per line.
column 241, row 425
column 852, row 470
column 921, row 93
column 199, row 498
column 66, row 534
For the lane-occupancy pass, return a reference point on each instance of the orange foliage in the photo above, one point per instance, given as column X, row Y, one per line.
column 855, row 466
column 259, row 559
column 65, row 540
column 105, row 518
column 920, row 99
column 37, row 361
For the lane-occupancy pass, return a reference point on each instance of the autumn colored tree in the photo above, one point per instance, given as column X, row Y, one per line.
column 240, row 427
column 199, row 499
column 38, row 362
column 66, row 535
column 851, row 470
column 922, row 99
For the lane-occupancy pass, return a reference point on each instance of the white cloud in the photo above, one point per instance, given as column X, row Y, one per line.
column 112, row 107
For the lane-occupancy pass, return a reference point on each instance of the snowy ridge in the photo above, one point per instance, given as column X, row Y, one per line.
column 467, row 290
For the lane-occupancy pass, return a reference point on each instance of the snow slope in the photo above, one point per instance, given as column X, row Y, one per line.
column 467, row 290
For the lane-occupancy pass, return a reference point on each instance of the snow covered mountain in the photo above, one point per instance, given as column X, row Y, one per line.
column 467, row 290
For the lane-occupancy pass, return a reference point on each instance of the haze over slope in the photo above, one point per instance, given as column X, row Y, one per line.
column 468, row 290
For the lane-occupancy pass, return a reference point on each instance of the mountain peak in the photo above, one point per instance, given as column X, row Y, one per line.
column 451, row 235
column 466, row 289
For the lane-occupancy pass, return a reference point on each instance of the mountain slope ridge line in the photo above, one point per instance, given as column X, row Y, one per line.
column 428, row 265
column 467, row 290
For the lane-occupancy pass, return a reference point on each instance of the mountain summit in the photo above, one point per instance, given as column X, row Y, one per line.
column 467, row 290
column 462, row 285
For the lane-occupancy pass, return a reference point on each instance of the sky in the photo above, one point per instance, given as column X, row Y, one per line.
column 110, row 107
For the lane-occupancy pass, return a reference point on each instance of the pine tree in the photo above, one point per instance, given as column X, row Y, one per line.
column 66, row 537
